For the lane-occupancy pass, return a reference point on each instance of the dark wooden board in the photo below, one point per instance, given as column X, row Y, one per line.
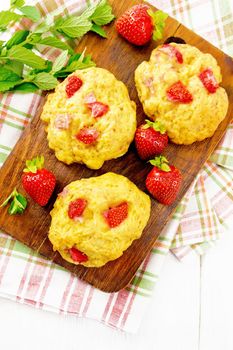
column 121, row 58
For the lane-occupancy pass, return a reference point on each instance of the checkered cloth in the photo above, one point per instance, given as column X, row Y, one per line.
column 198, row 221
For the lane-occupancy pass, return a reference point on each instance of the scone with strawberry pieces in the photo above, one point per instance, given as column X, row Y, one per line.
column 95, row 220
column 90, row 118
column 180, row 87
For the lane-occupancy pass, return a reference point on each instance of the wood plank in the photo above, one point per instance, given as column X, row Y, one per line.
column 121, row 58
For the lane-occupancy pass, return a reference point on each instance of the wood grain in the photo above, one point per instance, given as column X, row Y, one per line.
column 121, row 58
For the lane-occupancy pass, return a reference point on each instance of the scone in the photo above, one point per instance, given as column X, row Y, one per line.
column 90, row 118
column 180, row 87
column 95, row 220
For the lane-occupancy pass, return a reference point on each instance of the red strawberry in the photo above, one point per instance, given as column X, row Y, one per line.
column 77, row 256
column 208, row 80
column 116, row 215
column 74, row 84
column 38, row 182
column 76, row 208
column 98, row 109
column 179, row 93
column 163, row 181
column 88, row 135
column 172, row 51
column 150, row 139
column 140, row 23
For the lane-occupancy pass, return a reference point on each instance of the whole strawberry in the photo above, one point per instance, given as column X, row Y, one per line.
column 163, row 181
column 139, row 24
column 38, row 182
column 150, row 139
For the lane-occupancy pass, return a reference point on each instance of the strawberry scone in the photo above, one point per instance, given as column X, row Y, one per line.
column 179, row 86
column 95, row 220
column 90, row 118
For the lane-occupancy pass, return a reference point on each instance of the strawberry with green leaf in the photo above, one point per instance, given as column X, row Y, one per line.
column 18, row 203
column 150, row 139
column 37, row 181
column 139, row 24
column 163, row 181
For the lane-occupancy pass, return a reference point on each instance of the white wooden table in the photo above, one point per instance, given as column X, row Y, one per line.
column 191, row 309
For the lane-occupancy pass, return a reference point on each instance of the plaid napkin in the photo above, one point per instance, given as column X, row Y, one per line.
column 198, row 221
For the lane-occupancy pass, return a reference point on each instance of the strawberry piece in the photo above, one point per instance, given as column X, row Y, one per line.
column 116, row 215
column 136, row 25
column 178, row 92
column 76, row 208
column 90, row 98
column 150, row 139
column 38, row 182
column 88, row 135
column 163, row 181
column 74, row 84
column 208, row 80
column 172, row 52
column 62, row 121
column 77, row 255
column 98, row 109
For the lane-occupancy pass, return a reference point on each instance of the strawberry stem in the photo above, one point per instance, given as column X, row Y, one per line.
column 34, row 164
column 160, row 162
column 18, row 203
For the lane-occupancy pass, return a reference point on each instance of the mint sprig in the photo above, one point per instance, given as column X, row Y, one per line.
column 16, row 53
column 18, row 203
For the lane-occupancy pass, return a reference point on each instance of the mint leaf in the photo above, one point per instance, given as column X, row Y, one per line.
column 16, row 67
column 55, row 42
column 18, row 203
column 6, row 17
column 45, row 81
column 103, row 14
column 73, row 27
column 75, row 62
column 42, row 28
column 60, row 61
column 88, row 12
column 78, row 65
column 7, row 85
column 30, row 12
column 17, row 38
column 98, row 30
column 34, row 38
column 26, row 87
column 8, row 75
column 17, row 3
column 21, row 54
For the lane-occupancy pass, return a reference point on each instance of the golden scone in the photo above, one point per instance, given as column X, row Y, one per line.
column 94, row 220
column 94, row 124
column 199, row 73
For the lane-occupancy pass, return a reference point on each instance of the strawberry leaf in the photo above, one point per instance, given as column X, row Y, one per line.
column 34, row 164
column 159, row 20
column 160, row 162
column 157, row 126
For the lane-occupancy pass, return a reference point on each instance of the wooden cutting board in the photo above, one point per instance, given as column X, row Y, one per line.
column 120, row 58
